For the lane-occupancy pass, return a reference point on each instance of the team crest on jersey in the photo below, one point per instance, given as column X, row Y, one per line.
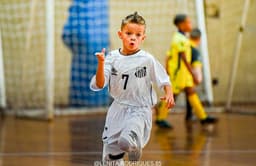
column 141, row 72
column 113, row 71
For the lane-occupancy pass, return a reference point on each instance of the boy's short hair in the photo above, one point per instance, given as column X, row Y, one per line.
column 195, row 33
column 179, row 18
column 133, row 18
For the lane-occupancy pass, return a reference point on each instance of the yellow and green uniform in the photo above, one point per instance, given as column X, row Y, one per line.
column 179, row 74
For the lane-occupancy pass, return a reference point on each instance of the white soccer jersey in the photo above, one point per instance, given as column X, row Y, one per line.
column 130, row 78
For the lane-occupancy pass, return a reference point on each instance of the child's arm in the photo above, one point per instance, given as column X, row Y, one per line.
column 168, row 98
column 183, row 57
column 160, row 77
column 100, row 79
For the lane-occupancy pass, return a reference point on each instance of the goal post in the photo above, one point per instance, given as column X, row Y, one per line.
column 27, row 54
column 49, row 69
column 237, row 52
column 46, row 112
column 2, row 78
column 207, row 83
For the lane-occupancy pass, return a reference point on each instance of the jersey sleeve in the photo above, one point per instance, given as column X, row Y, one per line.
column 158, row 74
column 107, row 72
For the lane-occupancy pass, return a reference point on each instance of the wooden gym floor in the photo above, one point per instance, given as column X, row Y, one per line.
column 76, row 141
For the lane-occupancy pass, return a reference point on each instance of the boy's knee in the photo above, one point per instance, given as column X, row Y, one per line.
column 190, row 91
column 124, row 144
column 128, row 141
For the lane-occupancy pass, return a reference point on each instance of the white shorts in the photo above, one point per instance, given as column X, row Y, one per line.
column 120, row 120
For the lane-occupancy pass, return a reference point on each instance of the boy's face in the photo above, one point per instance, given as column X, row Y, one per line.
column 132, row 36
column 186, row 26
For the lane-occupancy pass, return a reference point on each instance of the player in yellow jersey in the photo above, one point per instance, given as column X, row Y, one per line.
column 182, row 76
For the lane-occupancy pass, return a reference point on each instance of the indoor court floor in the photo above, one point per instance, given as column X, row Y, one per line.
column 76, row 141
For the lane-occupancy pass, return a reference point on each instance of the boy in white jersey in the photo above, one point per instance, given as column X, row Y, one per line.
column 129, row 73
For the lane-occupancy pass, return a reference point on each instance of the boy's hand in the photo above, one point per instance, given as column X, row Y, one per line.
column 100, row 80
column 101, row 55
column 168, row 98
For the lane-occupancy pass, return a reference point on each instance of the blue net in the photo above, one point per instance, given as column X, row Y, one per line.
column 86, row 32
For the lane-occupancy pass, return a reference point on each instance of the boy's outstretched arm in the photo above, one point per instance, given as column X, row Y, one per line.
column 100, row 78
column 168, row 98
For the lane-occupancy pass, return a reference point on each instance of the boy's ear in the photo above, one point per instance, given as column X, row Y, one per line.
column 119, row 33
column 144, row 37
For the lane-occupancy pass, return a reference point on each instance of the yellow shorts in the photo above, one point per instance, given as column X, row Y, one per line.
column 181, row 80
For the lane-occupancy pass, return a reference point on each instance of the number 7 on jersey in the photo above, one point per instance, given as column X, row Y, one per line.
column 125, row 77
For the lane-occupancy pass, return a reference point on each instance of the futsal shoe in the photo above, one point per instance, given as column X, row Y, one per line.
column 209, row 120
column 136, row 152
column 113, row 162
column 163, row 124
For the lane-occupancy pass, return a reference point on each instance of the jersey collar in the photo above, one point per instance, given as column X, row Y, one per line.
column 183, row 33
column 128, row 54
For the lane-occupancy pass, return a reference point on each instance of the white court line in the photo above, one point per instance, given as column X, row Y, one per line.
column 23, row 154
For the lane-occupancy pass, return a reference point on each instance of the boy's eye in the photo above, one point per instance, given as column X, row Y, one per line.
column 138, row 35
column 128, row 33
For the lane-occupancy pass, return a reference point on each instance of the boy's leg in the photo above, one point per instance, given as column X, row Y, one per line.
column 189, row 114
column 130, row 143
column 130, row 139
column 112, row 154
column 161, row 115
column 198, row 107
